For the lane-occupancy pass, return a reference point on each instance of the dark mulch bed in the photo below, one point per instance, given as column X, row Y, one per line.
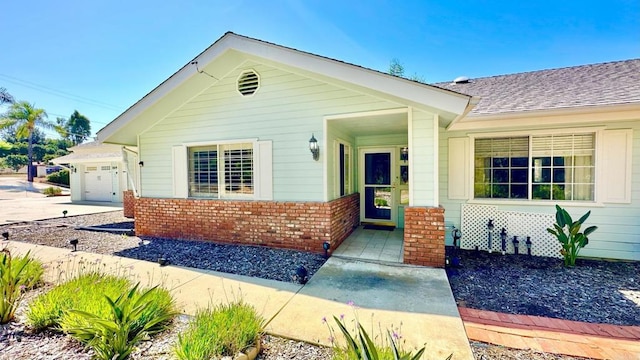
column 542, row 286
column 257, row 261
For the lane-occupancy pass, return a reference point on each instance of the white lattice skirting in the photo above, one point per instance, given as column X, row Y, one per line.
column 475, row 231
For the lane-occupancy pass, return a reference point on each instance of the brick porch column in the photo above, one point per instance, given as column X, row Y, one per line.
column 424, row 236
column 128, row 202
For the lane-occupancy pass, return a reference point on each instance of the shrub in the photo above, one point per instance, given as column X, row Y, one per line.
column 130, row 321
column 87, row 293
column 222, row 331
column 16, row 275
column 52, row 191
column 572, row 240
column 59, row 177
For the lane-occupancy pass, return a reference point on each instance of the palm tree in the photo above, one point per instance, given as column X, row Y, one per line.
column 5, row 97
column 25, row 117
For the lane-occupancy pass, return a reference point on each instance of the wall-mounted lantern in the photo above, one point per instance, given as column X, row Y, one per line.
column 314, row 148
column 404, row 153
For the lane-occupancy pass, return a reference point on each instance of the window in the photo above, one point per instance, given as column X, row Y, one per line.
column 343, row 169
column 224, row 170
column 546, row 167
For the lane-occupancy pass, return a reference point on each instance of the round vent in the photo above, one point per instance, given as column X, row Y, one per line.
column 461, row 80
column 248, row 83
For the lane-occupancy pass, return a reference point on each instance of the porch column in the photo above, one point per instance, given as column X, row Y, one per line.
column 424, row 236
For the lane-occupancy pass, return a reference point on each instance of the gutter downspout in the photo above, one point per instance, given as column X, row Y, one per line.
column 130, row 179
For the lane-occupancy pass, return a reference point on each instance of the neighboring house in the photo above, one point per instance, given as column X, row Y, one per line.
column 100, row 172
column 224, row 148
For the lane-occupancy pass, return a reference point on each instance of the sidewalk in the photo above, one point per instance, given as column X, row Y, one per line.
column 597, row 341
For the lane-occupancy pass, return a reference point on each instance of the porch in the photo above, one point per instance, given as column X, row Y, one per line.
column 373, row 245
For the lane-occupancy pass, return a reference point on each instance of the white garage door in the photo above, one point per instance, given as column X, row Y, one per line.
column 97, row 182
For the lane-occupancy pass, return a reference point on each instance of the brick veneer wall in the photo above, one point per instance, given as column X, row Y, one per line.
column 128, row 203
column 294, row 225
column 424, row 236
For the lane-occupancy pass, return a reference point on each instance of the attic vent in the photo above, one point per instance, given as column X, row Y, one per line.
column 248, row 83
column 461, row 80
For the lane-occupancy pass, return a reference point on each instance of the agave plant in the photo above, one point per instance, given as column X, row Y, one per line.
column 568, row 233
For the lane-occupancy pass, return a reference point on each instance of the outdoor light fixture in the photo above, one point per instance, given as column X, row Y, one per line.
column 74, row 242
column 515, row 245
column 73, row 168
column 503, row 237
column 163, row 261
column 301, row 275
column 64, row 213
column 141, row 163
column 314, row 148
column 326, row 246
column 404, row 153
column 5, row 235
column 490, row 226
column 529, row 243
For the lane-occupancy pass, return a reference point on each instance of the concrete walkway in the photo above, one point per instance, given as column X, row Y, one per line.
column 415, row 301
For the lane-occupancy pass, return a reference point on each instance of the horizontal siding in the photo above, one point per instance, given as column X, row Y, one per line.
column 618, row 234
column 286, row 109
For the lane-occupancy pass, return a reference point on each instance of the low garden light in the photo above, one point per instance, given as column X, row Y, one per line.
column 74, row 243
column 503, row 237
column 162, row 261
column 529, row 243
column 326, row 246
column 301, row 275
column 516, row 242
column 314, row 148
column 64, row 213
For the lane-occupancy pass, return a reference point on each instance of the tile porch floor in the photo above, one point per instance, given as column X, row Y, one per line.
column 378, row 245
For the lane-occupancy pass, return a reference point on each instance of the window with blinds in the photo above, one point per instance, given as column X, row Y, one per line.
column 224, row 170
column 549, row 167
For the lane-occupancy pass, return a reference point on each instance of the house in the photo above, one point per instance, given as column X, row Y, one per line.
column 253, row 142
column 100, row 172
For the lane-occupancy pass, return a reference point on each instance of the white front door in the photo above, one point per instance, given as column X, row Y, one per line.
column 97, row 182
column 377, row 186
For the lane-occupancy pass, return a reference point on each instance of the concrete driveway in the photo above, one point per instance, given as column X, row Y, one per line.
column 24, row 201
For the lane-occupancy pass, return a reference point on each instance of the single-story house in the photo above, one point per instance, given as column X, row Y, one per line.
column 100, row 172
column 253, row 142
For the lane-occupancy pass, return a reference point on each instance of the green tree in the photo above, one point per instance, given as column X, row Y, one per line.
column 16, row 161
column 77, row 128
column 26, row 117
column 396, row 68
column 5, row 97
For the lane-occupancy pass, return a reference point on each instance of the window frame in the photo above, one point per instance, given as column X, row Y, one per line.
column 222, row 193
column 597, row 133
column 339, row 164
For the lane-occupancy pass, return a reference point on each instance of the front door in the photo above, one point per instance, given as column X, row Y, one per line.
column 377, row 186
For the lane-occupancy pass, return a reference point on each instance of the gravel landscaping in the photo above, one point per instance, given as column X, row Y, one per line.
column 594, row 291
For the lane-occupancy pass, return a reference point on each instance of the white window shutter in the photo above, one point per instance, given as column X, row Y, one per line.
column 180, row 172
column 264, row 173
column 459, row 176
column 615, row 166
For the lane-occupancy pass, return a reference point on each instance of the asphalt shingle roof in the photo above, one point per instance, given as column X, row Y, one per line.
column 611, row 83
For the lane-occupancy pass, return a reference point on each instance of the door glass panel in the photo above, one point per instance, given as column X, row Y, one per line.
column 378, row 203
column 377, row 169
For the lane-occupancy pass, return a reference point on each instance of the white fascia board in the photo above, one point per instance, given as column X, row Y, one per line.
column 546, row 118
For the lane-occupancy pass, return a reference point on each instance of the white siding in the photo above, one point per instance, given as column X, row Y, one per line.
column 618, row 234
column 286, row 110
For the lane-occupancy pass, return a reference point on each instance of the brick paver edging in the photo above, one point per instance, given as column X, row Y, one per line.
column 549, row 324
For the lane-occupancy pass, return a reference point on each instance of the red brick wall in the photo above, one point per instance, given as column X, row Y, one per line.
column 294, row 225
column 128, row 202
column 424, row 236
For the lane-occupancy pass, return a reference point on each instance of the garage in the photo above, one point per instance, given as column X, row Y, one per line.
column 98, row 182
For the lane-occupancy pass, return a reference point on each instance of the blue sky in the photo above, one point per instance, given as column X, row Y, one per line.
column 101, row 56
